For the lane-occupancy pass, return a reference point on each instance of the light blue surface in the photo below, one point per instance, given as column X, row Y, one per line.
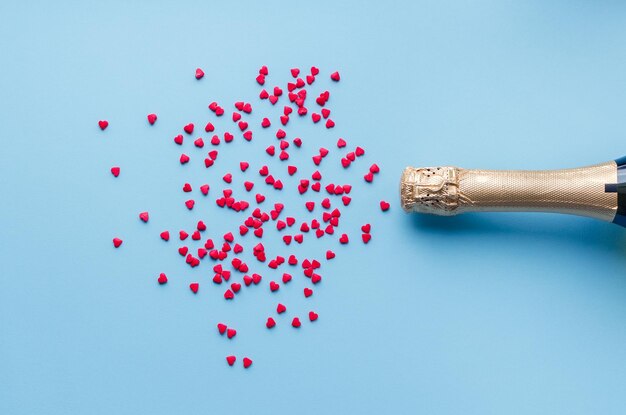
column 481, row 314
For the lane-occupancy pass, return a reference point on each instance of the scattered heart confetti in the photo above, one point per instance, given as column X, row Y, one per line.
column 103, row 124
column 250, row 221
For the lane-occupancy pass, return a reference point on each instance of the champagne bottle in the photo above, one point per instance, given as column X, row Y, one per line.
column 597, row 191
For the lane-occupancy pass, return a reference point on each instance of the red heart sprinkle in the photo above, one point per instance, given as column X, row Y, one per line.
column 295, row 72
column 209, row 127
column 152, row 118
column 144, row 216
column 330, row 254
column 308, row 292
column 280, row 308
column 244, row 165
column 103, row 124
column 273, row 99
column 204, row 189
column 190, row 203
column 165, row 235
column 247, row 135
column 264, row 94
column 115, row 171
column 344, row 239
column 260, row 79
column 179, row 139
column 359, row 151
column 183, row 235
column 199, row 73
column 231, row 360
column 162, row 278
column 230, row 333
column 188, row 128
column 274, row 286
column 291, row 169
column 297, row 142
column 384, row 206
column 374, row 168
column 186, row 188
column 314, row 70
column 247, row 362
column 215, row 140
column 270, row 323
column 296, row 322
column 228, row 178
column 280, row 134
column 229, row 295
column 310, row 79
column 335, row 76
column 242, row 125
column 316, row 117
column 366, row 237
column 259, row 198
column 313, row 316
column 286, row 278
column 117, row 242
column 346, row 200
column 264, row 70
column 199, row 142
column 194, row 287
column 256, row 278
column 183, row 250
column 330, row 123
column 184, row 158
column 369, row 177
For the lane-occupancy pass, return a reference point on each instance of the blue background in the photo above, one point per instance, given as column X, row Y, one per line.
column 477, row 314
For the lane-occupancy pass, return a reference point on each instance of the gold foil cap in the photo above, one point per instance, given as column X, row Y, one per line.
column 433, row 190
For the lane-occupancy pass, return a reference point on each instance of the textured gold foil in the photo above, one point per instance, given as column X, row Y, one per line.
column 452, row 190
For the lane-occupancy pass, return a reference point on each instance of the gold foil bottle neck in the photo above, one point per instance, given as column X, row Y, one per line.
column 451, row 190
